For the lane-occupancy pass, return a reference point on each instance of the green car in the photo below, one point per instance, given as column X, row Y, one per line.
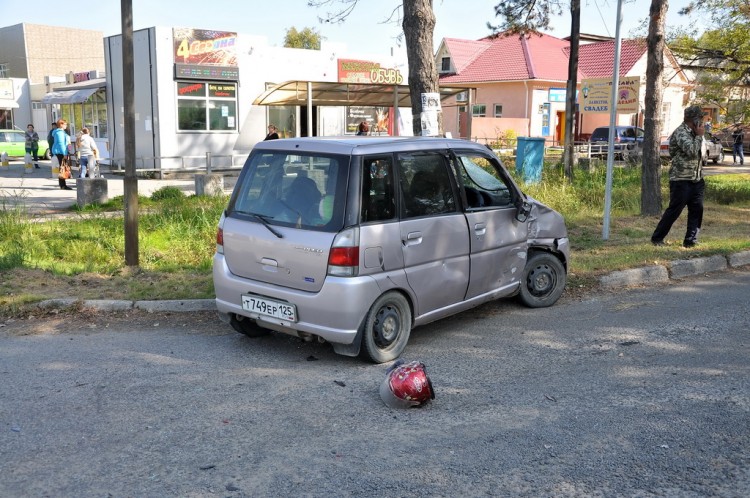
column 14, row 143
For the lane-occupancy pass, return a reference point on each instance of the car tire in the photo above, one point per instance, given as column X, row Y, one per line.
column 247, row 326
column 47, row 155
column 386, row 328
column 720, row 158
column 543, row 282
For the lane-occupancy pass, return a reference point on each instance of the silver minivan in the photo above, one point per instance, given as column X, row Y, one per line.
column 355, row 241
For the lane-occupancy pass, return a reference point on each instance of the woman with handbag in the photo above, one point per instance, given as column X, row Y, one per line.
column 60, row 150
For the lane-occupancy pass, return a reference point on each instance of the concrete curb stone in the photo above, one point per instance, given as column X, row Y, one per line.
column 178, row 305
column 635, row 276
column 688, row 267
column 739, row 259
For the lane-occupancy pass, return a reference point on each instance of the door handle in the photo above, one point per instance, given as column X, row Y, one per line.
column 413, row 238
column 480, row 229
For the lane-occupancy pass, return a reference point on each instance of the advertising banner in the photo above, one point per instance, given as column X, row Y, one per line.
column 202, row 54
column 377, row 118
column 597, row 95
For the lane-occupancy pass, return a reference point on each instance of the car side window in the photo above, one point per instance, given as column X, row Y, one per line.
column 482, row 183
column 378, row 192
column 425, row 185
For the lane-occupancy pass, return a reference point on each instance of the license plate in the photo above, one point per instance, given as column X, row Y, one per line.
column 269, row 307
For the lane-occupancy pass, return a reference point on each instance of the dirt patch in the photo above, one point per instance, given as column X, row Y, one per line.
column 79, row 321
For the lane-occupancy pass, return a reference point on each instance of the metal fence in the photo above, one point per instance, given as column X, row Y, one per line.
column 160, row 165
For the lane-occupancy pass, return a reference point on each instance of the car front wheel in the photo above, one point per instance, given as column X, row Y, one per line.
column 543, row 281
column 386, row 328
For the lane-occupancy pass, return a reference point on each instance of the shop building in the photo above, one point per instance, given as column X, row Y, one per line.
column 204, row 91
column 36, row 61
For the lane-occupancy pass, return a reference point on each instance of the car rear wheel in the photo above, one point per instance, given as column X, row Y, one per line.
column 47, row 155
column 543, row 281
column 247, row 326
column 387, row 328
column 720, row 158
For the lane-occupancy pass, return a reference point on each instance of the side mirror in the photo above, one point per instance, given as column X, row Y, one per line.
column 522, row 211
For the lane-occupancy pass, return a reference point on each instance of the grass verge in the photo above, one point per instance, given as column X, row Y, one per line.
column 82, row 254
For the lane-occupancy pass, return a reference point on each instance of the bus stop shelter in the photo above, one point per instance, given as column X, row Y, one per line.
column 332, row 93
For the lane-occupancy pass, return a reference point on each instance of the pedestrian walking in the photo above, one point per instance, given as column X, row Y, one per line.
column 738, row 139
column 88, row 155
column 60, row 149
column 686, row 184
column 32, row 144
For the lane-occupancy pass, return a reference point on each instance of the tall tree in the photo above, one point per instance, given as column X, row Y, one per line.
column 651, row 177
column 720, row 56
column 307, row 38
column 418, row 23
column 530, row 16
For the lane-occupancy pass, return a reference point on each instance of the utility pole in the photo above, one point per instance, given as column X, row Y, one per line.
column 570, row 100
column 131, row 181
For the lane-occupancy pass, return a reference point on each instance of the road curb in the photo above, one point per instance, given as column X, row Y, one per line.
column 635, row 276
column 674, row 270
column 176, row 305
column 626, row 278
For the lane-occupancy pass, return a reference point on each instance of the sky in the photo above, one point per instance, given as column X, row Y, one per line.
column 364, row 31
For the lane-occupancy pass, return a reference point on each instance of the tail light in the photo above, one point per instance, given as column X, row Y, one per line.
column 220, row 235
column 343, row 260
column 220, row 240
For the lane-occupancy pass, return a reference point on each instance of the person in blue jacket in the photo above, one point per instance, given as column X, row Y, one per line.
column 60, row 147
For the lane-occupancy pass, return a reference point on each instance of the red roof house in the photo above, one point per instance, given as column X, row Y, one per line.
column 520, row 84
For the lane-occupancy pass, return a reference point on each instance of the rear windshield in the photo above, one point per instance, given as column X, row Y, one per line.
column 301, row 190
column 600, row 134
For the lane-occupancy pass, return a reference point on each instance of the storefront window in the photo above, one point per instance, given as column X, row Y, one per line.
column 92, row 114
column 206, row 106
column 282, row 117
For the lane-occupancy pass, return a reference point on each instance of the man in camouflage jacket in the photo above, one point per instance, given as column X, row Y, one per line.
column 686, row 185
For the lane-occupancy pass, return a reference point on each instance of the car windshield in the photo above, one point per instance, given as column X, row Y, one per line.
column 301, row 190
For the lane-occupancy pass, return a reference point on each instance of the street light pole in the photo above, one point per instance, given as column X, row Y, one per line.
column 612, row 124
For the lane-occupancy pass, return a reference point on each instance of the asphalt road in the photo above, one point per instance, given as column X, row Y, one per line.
column 637, row 393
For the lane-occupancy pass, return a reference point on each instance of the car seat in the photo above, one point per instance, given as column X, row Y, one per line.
column 303, row 197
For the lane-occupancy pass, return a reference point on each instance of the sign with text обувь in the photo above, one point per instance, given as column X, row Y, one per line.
column 597, row 95
column 368, row 72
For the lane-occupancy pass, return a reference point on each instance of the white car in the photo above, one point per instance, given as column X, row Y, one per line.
column 714, row 150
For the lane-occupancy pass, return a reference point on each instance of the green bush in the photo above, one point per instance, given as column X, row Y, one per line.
column 166, row 193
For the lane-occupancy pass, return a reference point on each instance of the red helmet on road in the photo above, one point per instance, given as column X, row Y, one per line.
column 406, row 385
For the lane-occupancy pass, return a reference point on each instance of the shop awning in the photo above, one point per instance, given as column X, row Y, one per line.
column 342, row 94
column 8, row 104
column 68, row 96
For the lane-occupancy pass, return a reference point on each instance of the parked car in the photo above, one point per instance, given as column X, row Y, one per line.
column 628, row 142
column 355, row 241
column 14, row 143
column 714, row 150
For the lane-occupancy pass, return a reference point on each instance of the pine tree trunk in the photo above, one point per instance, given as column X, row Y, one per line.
column 651, row 178
column 418, row 25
